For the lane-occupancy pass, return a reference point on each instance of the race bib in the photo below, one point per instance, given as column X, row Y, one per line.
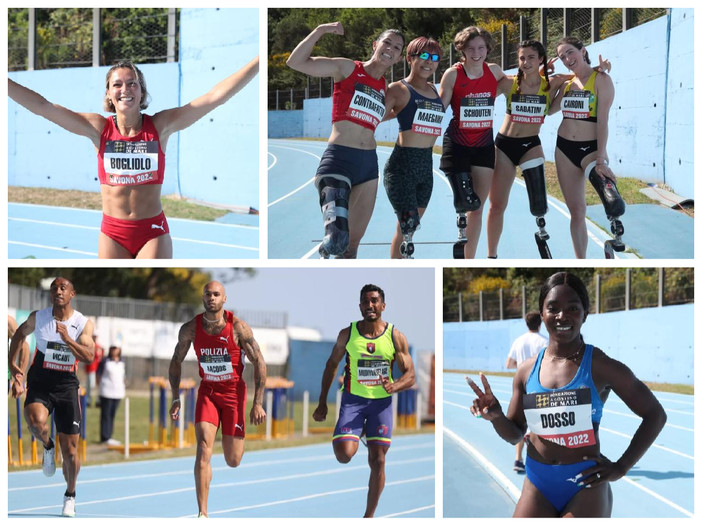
column 369, row 371
column 130, row 162
column 529, row 109
column 367, row 105
column 216, row 365
column 428, row 118
column 58, row 357
column 477, row 113
column 576, row 104
column 563, row 417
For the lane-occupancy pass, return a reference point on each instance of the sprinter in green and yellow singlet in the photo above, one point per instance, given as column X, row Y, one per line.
column 371, row 347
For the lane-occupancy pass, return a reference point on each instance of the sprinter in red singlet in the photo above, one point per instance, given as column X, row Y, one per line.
column 131, row 150
column 221, row 342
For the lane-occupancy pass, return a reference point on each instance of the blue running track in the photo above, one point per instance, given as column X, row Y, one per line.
column 477, row 463
column 286, row 482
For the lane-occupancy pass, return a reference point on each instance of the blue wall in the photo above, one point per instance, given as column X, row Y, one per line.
column 660, row 352
column 651, row 121
column 306, row 364
column 215, row 160
column 285, row 124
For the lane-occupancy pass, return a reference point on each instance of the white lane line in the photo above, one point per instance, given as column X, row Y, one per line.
column 513, row 491
column 319, row 495
column 307, row 183
column 46, row 247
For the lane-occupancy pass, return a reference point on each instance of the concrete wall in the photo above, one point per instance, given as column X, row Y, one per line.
column 651, row 121
column 215, row 160
column 657, row 344
column 285, row 124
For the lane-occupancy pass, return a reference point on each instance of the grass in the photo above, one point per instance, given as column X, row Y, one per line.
column 173, row 206
column 654, row 386
column 320, row 432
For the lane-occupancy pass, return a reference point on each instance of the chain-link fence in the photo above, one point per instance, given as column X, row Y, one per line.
column 75, row 37
column 618, row 293
column 547, row 25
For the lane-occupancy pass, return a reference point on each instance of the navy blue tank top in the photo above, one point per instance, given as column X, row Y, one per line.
column 421, row 114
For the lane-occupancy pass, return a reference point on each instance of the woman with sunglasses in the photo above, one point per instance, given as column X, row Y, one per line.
column 468, row 157
column 347, row 177
column 131, row 150
column 408, row 175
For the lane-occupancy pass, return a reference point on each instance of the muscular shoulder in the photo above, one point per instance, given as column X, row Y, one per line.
column 187, row 330
column 242, row 329
column 398, row 338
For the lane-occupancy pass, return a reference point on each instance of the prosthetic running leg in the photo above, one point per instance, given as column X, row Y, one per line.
column 464, row 200
column 614, row 207
column 409, row 223
column 334, row 193
column 535, row 180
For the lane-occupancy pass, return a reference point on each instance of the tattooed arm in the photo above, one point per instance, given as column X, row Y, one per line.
column 253, row 353
column 185, row 337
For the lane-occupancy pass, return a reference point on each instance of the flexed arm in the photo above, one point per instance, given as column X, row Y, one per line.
column 253, row 353
column 405, row 364
column 176, row 119
column 301, row 60
column 85, row 124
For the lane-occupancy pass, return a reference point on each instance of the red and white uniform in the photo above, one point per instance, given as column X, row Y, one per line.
column 221, row 397
column 130, row 161
column 359, row 98
column 473, row 106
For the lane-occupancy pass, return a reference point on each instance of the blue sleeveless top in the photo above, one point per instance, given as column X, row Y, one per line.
column 406, row 116
column 582, row 379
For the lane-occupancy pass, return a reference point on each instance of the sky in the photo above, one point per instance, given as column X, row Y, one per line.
column 326, row 299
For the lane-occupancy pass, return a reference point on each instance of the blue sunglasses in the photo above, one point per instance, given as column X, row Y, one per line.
column 426, row 56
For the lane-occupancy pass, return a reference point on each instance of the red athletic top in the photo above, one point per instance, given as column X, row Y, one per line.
column 220, row 359
column 359, row 98
column 473, row 105
column 129, row 161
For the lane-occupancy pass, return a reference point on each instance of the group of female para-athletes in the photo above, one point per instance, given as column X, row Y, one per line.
column 476, row 165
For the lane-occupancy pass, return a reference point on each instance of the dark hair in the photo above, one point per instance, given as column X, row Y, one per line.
column 539, row 47
column 420, row 44
column 393, row 32
column 372, row 288
column 533, row 320
column 64, row 279
column 107, row 103
column 465, row 35
column 565, row 278
column 573, row 41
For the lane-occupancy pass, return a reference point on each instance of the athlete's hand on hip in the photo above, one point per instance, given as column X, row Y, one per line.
column 486, row 405
column 604, row 471
column 258, row 415
column 320, row 414
column 175, row 409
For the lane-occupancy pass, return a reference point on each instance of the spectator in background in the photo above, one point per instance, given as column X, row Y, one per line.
column 525, row 346
column 91, row 370
column 111, row 381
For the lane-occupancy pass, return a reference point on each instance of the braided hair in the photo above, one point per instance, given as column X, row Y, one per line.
column 539, row 48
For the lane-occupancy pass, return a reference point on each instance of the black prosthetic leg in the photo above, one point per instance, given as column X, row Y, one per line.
column 464, row 200
column 614, row 207
column 535, row 180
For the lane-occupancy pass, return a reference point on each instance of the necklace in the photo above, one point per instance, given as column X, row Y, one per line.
column 212, row 321
column 574, row 355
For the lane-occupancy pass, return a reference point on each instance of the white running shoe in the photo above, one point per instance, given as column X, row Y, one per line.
column 69, row 506
column 48, row 464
